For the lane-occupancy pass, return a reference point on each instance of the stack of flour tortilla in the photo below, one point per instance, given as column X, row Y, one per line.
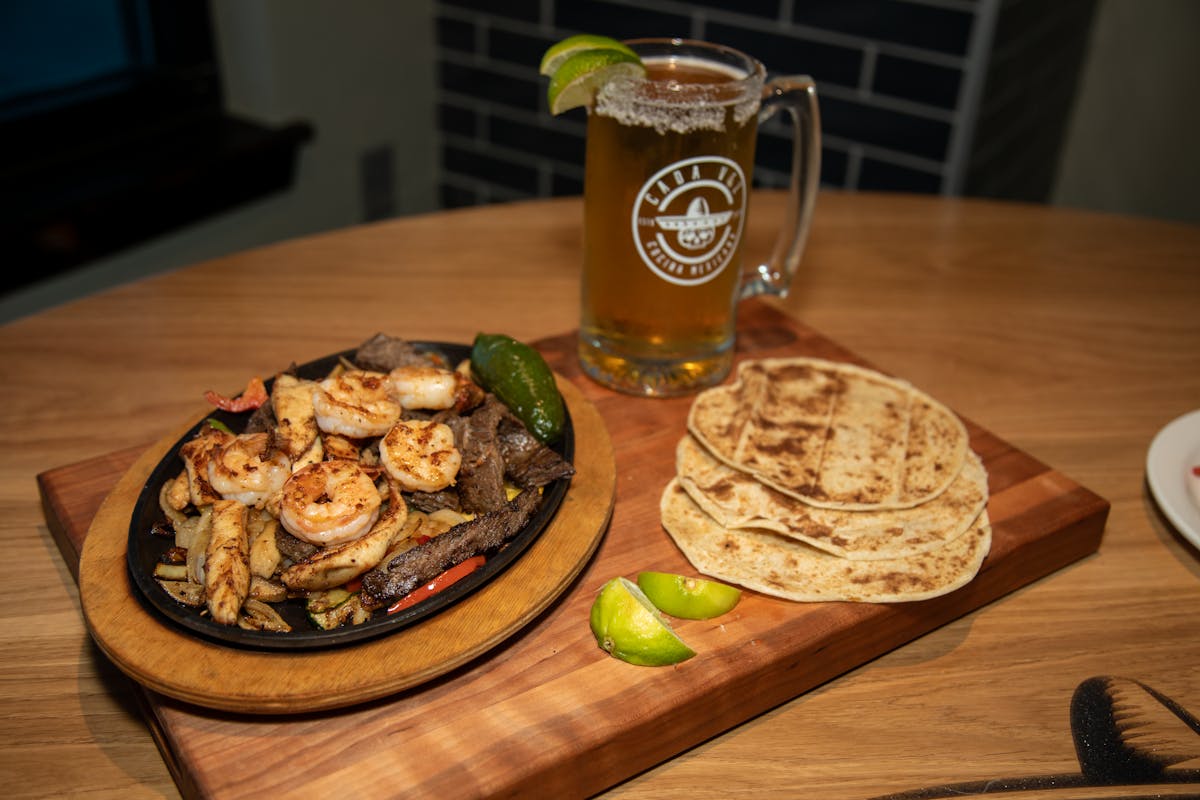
column 814, row 480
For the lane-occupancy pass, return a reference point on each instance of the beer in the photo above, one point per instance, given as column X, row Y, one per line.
column 667, row 176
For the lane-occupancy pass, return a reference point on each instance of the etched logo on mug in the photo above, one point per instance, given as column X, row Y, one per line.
column 687, row 219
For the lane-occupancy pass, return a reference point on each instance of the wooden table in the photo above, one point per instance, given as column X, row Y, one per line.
column 1074, row 336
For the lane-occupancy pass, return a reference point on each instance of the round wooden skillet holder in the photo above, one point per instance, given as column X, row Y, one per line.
column 176, row 663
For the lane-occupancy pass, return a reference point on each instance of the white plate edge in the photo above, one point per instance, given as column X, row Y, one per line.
column 1167, row 460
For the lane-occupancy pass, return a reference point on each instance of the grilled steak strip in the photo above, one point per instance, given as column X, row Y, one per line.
column 434, row 501
column 292, row 548
column 482, row 535
column 383, row 353
column 528, row 462
column 480, row 479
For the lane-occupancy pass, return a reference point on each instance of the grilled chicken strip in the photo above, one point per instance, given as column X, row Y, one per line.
column 264, row 548
column 196, row 454
column 227, row 562
column 295, row 419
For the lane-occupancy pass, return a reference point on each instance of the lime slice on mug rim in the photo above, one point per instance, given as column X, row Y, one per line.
column 577, row 79
column 559, row 52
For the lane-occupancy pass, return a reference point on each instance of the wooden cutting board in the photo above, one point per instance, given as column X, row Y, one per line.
column 546, row 712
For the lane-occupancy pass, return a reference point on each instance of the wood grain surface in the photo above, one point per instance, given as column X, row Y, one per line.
column 1071, row 336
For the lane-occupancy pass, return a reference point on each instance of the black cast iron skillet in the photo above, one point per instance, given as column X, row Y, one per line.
column 146, row 549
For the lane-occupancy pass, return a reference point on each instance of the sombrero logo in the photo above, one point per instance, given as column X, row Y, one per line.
column 687, row 219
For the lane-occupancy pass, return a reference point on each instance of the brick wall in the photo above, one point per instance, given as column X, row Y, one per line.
column 900, row 84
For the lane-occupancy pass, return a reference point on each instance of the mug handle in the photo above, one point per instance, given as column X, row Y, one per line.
column 797, row 95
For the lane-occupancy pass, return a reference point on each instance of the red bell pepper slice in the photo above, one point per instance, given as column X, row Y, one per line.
column 448, row 578
column 254, row 395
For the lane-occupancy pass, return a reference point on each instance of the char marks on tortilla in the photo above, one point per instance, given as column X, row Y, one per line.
column 814, row 480
column 784, row 567
column 736, row 500
column 830, row 434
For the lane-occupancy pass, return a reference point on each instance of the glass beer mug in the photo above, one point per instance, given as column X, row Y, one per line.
column 668, row 173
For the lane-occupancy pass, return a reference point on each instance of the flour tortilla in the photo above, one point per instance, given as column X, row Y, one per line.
column 783, row 567
column 831, row 434
column 736, row 500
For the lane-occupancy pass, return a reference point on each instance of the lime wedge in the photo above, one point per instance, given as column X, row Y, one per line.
column 559, row 52
column 577, row 79
column 688, row 598
column 628, row 626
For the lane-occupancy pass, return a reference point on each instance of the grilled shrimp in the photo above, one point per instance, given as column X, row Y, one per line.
column 355, row 403
column 420, row 455
column 424, row 387
column 329, row 503
column 248, row 469
column 333, row 566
